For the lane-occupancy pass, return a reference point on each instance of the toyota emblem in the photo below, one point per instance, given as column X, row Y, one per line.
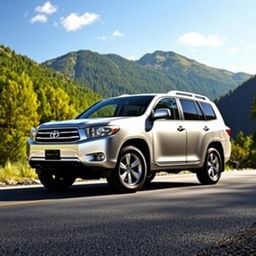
column 54, row 134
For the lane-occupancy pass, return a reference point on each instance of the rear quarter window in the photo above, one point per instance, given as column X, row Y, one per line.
column 208, row 111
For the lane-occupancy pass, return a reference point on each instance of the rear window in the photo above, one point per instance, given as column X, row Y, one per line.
column 208, row 111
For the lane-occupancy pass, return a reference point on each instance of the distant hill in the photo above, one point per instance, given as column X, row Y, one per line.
column 112, row 75
column 45, row 81
column 236, row 108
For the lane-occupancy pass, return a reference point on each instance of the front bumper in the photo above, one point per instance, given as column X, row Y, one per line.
column 81, row 153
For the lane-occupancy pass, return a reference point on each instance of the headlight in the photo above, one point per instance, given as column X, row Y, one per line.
column 33, row 133
column 100, row 131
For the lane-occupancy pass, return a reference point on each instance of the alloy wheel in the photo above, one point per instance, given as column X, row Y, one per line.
column 213, row 166
column 130, row 170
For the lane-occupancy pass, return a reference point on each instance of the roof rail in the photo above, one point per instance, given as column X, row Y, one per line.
column 188, row 94
column 123, row 95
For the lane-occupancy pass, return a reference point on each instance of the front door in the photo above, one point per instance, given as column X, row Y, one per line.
column 169, row 136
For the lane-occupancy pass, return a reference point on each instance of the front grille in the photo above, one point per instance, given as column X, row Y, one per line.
column 57, row 135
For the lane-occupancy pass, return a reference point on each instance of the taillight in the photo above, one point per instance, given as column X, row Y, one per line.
column 228, row 131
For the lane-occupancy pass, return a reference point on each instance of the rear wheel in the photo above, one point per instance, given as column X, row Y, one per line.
column 55, row 181
column 130, row 172
column 213, row 166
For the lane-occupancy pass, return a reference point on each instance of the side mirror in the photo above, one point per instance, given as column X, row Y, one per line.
column 161, row 113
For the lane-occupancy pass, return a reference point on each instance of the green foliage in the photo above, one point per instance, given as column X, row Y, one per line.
column 112, row 75
column 55, row 105
column 243, row 151
column 18, row 109
column 31, row 94
column 18, row 113
column 16, row 171
column 253, row 110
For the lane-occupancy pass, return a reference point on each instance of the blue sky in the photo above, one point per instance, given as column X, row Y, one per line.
column 214, row 32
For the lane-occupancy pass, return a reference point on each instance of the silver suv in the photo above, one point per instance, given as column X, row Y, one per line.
column 128, row 139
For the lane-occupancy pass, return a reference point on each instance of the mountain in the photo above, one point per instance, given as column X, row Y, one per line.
column 236, row 108
column 47, row 84
column 112, row 75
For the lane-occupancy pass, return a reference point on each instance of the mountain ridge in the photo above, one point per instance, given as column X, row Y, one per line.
column 112, row 75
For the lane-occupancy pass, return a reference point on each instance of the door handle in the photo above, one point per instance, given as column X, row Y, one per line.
column 180, row 128
column 206, row 128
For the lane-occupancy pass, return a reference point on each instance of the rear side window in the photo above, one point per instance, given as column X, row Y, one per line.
column 169, row 103
column 190, row 110
column 208, row 111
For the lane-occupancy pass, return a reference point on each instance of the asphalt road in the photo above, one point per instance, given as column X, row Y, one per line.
column 173, row 216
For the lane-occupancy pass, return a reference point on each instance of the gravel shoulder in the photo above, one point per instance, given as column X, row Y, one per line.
column 243, row 243
column 22, row 182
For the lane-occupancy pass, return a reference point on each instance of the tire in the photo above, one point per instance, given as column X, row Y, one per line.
column 213, row 166
column 130, row 172
column 150, row 177
column 55, row 181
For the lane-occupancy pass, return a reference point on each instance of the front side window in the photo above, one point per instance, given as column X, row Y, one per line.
column 208, row 111
column 171, row 104
column 121, row 106
column 190, row 110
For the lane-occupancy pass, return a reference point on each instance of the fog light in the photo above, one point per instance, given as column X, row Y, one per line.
column 101, row 156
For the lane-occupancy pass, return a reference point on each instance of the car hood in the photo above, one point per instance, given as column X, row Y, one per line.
column 82, row 123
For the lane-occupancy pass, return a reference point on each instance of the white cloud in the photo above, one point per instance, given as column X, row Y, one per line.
column 133, row 58
column 196, row 39
column 250, row 48
column 39, row 18
column 103, row 38
column 233, row 50
column 117, row 33
column 47, row 8
column 74, row 22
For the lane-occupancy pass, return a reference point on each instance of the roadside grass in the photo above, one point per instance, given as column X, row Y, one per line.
column 16, row 171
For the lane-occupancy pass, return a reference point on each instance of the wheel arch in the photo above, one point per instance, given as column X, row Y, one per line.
column 142, row 145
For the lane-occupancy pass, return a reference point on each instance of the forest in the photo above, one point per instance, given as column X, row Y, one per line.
column 31, row 94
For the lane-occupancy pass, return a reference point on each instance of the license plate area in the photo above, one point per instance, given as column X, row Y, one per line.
column 52, row 154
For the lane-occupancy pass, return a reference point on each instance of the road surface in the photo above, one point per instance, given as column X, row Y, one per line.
column 175, row 215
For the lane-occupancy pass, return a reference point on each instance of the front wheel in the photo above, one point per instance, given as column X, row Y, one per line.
column 55, row 181
column 213, row 166
column 130, row 172
column 150, row 177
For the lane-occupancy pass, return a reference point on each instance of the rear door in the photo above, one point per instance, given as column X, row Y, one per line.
column 198, row 133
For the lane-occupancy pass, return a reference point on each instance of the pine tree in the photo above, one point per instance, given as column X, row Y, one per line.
column 253, row 110
column 55, row 105
column 18, row 114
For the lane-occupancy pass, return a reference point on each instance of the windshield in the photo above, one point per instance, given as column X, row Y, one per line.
column 122, row 106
